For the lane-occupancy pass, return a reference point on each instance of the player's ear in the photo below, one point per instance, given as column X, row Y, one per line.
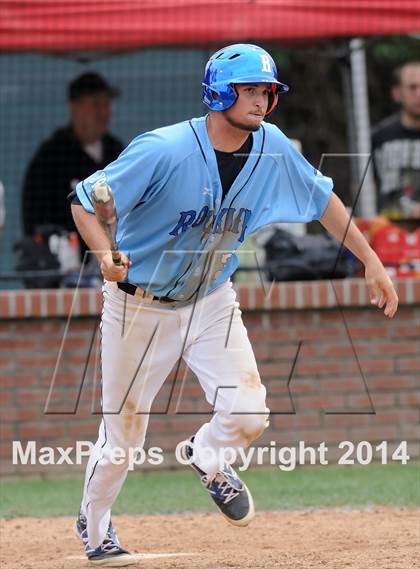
column 396, row 93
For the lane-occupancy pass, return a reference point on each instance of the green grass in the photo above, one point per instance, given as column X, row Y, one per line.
column 169, row 492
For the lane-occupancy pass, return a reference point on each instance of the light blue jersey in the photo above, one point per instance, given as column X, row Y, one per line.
column 173, row 224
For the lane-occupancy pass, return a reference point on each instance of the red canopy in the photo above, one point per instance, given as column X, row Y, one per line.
column 71, row 25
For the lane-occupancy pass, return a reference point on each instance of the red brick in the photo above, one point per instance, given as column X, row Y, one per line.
column 274, row 297
column 296, row 421
column 157, row 427
column 5, row 452
column 84, row 302
column 51, row 303
column 274, row 369
column 18, row 379
column 375, row 433
column 252, row 319
column 307, row 351
column 336, row 350
column 380, row 365
column 411, row 331
column 323, row 293
column 370, row 332
column 392, row 382
column 50, row 432
column 280, row 405
column 409, row 398
column 350, row 419
column 37, row 396
column 85, row 430
column 179, row 423
column 18, row 344
column 20, row 304
column 289, row 352
column 408, row 364
column 360, row 402
column 325, row 402
column 316, row 333
column 287, row 318
column 383, row 400
column 68, row 301
column 307, row 295
column 6, row 364
column 259, row 298
column 397, row 348
column 321, row 368
column 299, row 385
column 20, row 414
column 36, row 303
column 326, row 317
column 6, row 397
column 99, row 303
column 314, row 437
column 243, row 297
column 290, row 295
column 396, row 416
column 342, row 384
column 262, row 352
column 4, row 305
column 63, row 378
column 269, row 335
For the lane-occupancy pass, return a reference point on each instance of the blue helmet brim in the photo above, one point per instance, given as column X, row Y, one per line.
column 282, row 87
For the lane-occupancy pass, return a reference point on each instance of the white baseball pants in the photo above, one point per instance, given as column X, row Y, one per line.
column 140, row 345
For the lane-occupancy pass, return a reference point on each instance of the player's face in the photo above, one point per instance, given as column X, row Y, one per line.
column 91, row 116
column 407, row 93
column 250, row 107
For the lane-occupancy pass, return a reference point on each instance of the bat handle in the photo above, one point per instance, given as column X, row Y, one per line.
column 116, row 257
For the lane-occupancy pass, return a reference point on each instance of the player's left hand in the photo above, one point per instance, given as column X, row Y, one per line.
column 381, row 290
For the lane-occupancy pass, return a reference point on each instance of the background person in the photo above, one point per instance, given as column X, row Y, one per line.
column 70, row 154
column 396, row 148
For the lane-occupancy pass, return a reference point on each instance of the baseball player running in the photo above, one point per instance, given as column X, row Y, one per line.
column 186, row 197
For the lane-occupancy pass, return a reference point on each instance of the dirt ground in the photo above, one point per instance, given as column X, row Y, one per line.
column 376, row 538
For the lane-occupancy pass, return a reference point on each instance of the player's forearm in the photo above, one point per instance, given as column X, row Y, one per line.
column 91, row 232
column 337, row 221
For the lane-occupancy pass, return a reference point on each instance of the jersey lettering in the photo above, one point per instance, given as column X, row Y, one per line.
column 228, row 219
column 186, row 219
column 266, row 65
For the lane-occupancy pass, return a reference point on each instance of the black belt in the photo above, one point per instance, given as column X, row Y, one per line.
column 131, row 289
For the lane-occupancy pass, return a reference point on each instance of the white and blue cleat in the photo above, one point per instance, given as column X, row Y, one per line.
column 227, row 490
column 109, row 553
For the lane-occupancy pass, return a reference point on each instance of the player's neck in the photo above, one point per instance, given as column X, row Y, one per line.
column 223, row 136
column 410, row 121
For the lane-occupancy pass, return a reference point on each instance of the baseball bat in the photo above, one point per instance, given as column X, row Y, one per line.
column 104, row 206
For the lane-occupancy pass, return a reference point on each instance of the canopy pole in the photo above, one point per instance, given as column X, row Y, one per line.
column 344, row 64
column 367, row 201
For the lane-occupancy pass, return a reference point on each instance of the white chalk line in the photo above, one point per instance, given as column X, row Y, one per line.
column 139, row 556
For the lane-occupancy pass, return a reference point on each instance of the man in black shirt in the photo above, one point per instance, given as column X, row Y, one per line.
column 71, row 154
column 396, row 148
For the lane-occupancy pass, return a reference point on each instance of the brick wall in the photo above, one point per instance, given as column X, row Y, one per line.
column 334, row 367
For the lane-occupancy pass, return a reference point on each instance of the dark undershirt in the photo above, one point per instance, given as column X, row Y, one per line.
column 229, row 165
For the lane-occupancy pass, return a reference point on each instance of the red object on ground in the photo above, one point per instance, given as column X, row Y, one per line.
column 72, row 25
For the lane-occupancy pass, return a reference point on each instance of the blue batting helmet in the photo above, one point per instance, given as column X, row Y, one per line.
column 238, row 63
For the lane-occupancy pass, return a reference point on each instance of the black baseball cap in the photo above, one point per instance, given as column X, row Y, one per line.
column 89, row 84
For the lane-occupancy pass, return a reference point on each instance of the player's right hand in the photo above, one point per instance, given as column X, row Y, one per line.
column 112, row 272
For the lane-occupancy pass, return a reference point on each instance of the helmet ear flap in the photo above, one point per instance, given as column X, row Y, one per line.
column 272, row 99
